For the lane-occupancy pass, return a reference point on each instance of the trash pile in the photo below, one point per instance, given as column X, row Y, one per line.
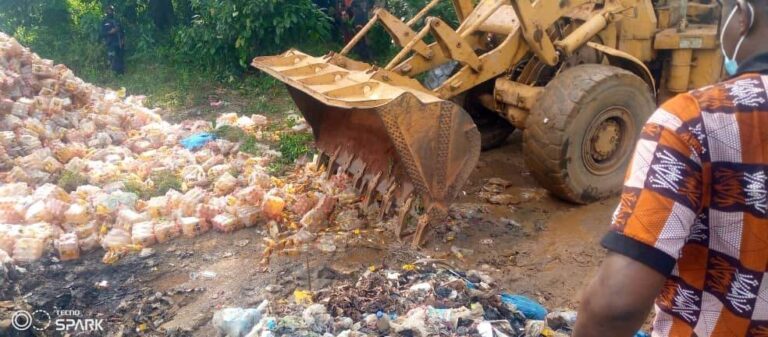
column 84, row 167
column 427, row 298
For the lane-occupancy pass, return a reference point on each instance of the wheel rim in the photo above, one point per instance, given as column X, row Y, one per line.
column 607, row 140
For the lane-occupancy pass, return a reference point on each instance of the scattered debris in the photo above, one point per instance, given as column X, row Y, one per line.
column 405, row 303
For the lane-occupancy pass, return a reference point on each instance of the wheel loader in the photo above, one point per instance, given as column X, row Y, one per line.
column 578, row 77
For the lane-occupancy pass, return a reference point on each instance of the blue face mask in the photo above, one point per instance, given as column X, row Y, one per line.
column 731, row 65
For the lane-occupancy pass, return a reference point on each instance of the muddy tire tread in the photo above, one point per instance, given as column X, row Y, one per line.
column 544, row 146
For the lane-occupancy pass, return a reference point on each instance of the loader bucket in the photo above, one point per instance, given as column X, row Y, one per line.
column 397, row 142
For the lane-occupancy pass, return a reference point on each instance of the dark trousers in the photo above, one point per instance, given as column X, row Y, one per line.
column 115, row 57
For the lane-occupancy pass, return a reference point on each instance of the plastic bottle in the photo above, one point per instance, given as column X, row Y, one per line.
column 68, row 247
column 143, row 234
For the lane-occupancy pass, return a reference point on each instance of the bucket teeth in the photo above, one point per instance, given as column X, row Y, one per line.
column 358, row 176
column 369, row 196
column 347, row 163
column 434, row 214
column 319, row 158
column 382, row 131
column 386, row 202
column 331, row 162
column 402, row 216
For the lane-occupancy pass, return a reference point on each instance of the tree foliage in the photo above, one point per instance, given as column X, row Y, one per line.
column 220, row 35
column 237, row 30
column 217, row 35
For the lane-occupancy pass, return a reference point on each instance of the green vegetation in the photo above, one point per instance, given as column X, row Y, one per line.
column 219, row 36
column 70, row 180
column 138, row 188
column 294, row 145
column 237, row 30
column 291, row 146
column 159, row 184
column 230, row 133
column 164, row 181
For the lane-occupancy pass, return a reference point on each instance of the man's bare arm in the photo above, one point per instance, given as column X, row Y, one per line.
column 618, row 299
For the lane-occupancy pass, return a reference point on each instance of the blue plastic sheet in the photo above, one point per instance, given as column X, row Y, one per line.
column 197, row 140
column 642, row 334
column 530, row 308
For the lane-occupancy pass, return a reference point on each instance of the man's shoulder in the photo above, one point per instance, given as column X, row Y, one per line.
column 747, row 90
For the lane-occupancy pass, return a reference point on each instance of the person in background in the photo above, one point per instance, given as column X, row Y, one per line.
column 114, row 38
column 690, row 234
column 352, row 16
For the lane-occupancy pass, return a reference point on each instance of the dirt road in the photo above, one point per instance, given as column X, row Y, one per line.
column 553, row 252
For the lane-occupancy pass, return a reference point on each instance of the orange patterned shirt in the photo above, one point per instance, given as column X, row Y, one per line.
column 695, row 208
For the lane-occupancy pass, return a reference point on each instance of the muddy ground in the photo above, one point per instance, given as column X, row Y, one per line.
column 540, row 247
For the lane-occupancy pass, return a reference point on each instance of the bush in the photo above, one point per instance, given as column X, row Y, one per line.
column 234, row 31
column 70, row 180
column 66, row 31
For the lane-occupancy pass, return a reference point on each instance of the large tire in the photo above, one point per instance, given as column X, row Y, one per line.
column 580, row 134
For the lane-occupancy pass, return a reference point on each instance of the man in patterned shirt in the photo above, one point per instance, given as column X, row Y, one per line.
column 690, row 234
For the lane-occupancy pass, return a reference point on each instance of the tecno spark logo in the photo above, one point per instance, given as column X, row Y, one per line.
column 66, row 320
column 24, row 320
